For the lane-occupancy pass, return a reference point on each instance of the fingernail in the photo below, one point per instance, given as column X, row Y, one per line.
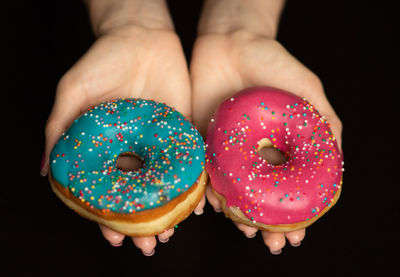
column 148, row 254
column 276, row 252
column 42, row 171
column 218, row 210
column 297, row 244
column 163, row 240
column 250, row 236
column 198, row 212
column 118, row 244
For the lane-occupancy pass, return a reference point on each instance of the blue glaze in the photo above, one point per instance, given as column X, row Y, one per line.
column 173, row 151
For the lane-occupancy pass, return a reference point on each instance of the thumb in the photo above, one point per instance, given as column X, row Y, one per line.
column 68, row 105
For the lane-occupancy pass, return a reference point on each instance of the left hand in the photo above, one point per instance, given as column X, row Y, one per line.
column 224, row 63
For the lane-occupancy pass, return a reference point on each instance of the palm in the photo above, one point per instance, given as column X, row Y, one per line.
column 133, row 63
column 125, row 63
column 224, row 64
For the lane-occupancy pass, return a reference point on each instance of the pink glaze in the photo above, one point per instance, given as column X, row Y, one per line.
column 273, row 194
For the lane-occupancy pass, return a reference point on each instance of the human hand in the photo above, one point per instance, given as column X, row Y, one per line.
column 226, row 60
column 140, row 57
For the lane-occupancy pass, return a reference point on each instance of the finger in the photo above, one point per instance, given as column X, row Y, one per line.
column 146, row 244
column 274, row 241
column 295, row 237
column 213, row 199
column 200, row 207
column 248, row 231
column 336, row 126
column 278, row 68
column 113, row 237
column 315, row 94
column 164, row 236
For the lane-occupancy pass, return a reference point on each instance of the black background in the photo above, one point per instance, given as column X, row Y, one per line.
column 350, row 45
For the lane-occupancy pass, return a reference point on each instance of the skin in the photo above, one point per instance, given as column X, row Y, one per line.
column 236, row 49
column 133, row 56
column 138, row 54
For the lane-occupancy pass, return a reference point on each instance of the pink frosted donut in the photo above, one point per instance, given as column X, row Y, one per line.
column 277, row 198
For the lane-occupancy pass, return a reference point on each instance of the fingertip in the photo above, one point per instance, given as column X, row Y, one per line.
column 146, row 244
column 199, row 210
column 113, row 237
column 295, row 237
column 213, row 200
column 164, row 236
column 274, row 241
column 44, row 171
column 149, row 254
column 276, row 252
column 217, row 210
column 249, row 232
column 44, row 165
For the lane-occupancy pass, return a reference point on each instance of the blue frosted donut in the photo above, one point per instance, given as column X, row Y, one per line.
column 84, row 173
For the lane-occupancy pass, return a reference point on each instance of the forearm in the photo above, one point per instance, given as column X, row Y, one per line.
column 106, row 15
column 257, row 16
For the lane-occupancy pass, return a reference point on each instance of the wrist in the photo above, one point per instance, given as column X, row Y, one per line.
column 255, row 16
column 107, row 16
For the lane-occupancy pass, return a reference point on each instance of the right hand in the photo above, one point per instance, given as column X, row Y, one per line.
column 129, row 61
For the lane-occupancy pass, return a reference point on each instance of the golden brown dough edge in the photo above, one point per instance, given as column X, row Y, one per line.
column 145, row 223
column 236, row 215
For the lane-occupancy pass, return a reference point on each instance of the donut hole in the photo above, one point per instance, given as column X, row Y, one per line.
column 272, row 155
column 128, row 161
column 269, row 153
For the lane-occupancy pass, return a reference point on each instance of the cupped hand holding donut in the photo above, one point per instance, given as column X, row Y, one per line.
column 236, row 49
column 136, row 54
